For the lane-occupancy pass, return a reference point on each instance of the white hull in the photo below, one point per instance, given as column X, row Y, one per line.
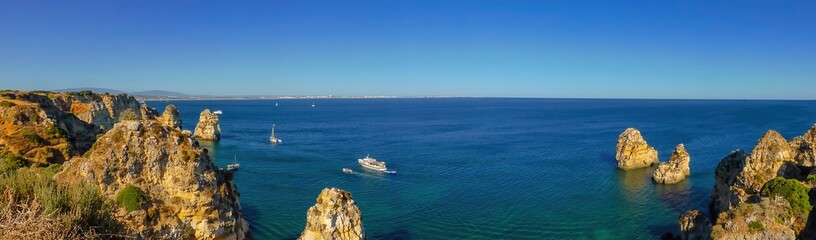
column 365, row 164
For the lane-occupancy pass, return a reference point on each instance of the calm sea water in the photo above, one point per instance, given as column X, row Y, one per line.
column 482, row 168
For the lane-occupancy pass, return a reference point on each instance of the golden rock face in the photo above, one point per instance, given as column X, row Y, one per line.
column 676, row 169
column 208, row 127
column 188, row 196
column 335, row 216
column 633, row 152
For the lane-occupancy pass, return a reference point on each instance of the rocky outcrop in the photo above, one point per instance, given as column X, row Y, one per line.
column 770, row 218
column 187, row 196
column 633, row 152
column 694, row 225
column 676, row 169
column 739, row 178
column 804, row 148
column 335, row 216
column 207, row 127
column 170, row 117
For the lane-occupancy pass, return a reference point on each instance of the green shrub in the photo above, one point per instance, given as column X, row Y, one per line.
column 55, row 130
column 811, row 179
column 755, row 226
column 7, row 104
column 131, row 198
column 82, row 93
column 792, row 190
column 10, row 161
column 32, row 137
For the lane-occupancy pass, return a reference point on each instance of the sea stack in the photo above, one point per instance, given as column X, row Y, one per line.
column 676, row 169
column 170, row 117
column 207, row 127
column 804, row 148
column 335, row 216
column 633, row 152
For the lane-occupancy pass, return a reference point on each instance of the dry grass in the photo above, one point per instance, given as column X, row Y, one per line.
column 33, row 206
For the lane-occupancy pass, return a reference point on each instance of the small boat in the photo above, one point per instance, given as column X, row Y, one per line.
column 347, row 170
column 371, row 163
column 234, row 166
column 218, row 111
column 276, row 104
column 313, row 105
column 272, row 137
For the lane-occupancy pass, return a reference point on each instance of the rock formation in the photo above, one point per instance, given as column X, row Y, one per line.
column 207, row 127
column 632, row 151
column 766, row 219
column 59, row 125
column 676, row 169
column 739, row 178
column 170, row 117
column 804, row 148
column 188, row 197
column 694, row 225
column 335, row 216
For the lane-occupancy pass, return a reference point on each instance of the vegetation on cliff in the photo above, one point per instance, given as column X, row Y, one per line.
column 35, row 206
column 792, row 190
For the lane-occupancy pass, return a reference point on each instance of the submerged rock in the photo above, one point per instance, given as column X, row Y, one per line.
column 335, row 216
column 676, row 169
column 633, row 152
column 170, row 117
column 187, row 197
column 207, row 127
column 694, row 225
column 739, row 178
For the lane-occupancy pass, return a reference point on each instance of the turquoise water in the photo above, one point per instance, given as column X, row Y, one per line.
column 482, row 168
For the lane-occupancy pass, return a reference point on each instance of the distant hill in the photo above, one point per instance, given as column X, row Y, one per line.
column 147, row 94
column 160, row 93
column 96, row 90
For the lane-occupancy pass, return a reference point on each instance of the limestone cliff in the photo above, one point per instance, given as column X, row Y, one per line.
column 170, row 117
column 208, row 127
column 59, row 125
column 739, row 178
column 632, row 151
column 335, row 216
column 694, row 225
column 804, row 148
column 770, row 218
column 187, row 196
column 676, row 169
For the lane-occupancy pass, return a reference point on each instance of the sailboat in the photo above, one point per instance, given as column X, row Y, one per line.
column 235, row 165
column 272, row 137
column 276, row 104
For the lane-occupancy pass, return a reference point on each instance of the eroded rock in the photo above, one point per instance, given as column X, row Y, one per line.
column 189, row 198
column 335, row 216
column 170, row 117
column 694, row 225
column 633, row 152
column 739, row 178
column 676, row 169
column 207, row 127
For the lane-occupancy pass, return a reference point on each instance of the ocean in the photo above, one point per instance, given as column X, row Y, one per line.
column 482, row 168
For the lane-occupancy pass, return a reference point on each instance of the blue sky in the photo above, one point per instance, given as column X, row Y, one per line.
column 587, row 49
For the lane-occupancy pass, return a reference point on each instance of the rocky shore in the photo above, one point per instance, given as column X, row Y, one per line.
column 335, row 216
column 155, row 179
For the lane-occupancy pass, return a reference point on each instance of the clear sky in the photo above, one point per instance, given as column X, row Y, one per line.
column 592, row 49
